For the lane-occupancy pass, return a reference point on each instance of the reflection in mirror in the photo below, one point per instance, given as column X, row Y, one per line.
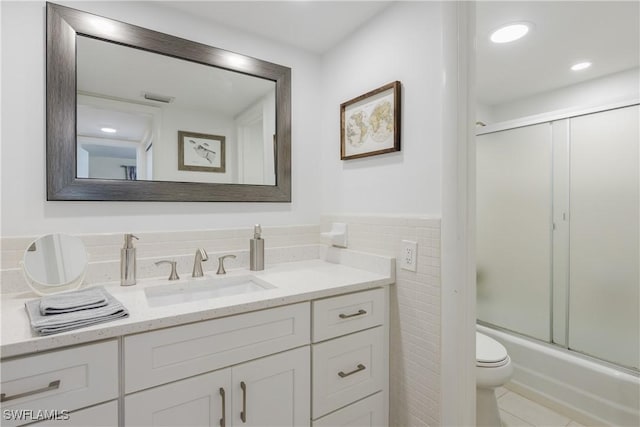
column 233, row 110
column 54, row 263
column 133, row 106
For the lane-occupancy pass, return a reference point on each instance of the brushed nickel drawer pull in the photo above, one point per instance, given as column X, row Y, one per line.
column 243, row 414
column 359, row 313
column 52, row 386
column 223, row 420
column 360, row 367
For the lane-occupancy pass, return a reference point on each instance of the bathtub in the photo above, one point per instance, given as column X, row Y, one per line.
column 592, row 393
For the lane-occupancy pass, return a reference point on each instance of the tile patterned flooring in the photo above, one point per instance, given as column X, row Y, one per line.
column 518, row 411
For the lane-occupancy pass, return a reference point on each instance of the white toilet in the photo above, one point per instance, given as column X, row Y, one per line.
column 493, row 369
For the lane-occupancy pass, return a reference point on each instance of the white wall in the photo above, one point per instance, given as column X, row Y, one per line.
column 621, row 86
column 25, row 210
column 401, row 43
column 108, row 167
column 378, row 195
column 484, row 114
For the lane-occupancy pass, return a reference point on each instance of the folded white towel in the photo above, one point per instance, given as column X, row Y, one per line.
column 55, row 323
column 72, row 301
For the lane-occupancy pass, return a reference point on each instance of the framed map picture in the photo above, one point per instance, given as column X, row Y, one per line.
column 370, row 123
column 201, row 152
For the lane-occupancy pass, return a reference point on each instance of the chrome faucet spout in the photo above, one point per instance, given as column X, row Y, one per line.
column 201, row 255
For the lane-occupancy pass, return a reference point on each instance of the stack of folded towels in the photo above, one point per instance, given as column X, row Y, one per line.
column 71, row 310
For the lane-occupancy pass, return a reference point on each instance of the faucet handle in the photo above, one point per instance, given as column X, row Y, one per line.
column 221, row 269
column 174, row 273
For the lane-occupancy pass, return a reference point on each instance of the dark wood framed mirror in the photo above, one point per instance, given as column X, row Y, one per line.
column 261, row 107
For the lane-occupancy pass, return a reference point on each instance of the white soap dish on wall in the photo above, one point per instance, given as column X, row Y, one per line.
column 338, row 234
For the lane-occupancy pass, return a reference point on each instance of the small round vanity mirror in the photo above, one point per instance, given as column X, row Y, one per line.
column 55, row 263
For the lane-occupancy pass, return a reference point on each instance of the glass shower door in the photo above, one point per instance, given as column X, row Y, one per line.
column 604, row 283
column 514, row 229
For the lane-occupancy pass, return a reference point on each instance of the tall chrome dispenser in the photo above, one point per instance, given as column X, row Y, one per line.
column 256, row 250
column 128, row 261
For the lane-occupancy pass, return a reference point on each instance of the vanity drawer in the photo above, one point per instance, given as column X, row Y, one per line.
column 347, row 369
column 105, row 415
column 345, row 314
column 369, row 412
column 60, row 380
column 158, row 357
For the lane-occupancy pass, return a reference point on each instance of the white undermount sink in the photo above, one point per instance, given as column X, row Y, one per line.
column 202, row 289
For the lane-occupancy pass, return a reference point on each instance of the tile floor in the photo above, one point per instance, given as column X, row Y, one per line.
column 518, row 411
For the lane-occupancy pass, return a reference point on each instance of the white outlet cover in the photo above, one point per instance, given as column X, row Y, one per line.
column 409, row 255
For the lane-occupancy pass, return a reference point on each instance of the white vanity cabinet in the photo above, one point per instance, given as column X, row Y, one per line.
column 322, row 362
column 198, row 401
column 103, row 415
column 58, row 384
column 158, row 357
column 350, row 360
column 212, row 384
column 271, row 391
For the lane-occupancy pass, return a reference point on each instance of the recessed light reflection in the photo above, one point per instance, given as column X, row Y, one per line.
column 103, row 25
column 581, row 66
column 509, row 33
column 108, row 130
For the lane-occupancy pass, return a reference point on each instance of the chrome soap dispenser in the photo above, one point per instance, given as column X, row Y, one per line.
column 256, row 250
column 128, row 261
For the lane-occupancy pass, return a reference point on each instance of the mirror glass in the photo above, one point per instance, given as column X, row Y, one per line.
column 55, row 262
column 138, row 115
column 144, row 116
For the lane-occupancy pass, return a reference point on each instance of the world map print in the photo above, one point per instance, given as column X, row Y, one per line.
column 357, row 128
column 371, row 121
column 381, row 122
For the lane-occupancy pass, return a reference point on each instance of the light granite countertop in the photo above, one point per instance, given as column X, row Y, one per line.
column 339, row 271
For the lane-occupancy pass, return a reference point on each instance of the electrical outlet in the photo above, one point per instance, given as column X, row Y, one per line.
column 409, row 255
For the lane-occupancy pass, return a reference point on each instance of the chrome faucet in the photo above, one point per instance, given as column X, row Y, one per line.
column 201, row 255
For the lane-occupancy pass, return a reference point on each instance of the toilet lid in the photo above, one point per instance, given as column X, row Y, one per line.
column 489, row 351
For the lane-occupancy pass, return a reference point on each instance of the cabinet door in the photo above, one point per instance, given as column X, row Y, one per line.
column 369, row 412
column 199, row 401
column 273, row 391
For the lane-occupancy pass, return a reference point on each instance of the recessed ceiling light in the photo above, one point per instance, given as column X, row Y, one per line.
column 581, row 66
column 108, row 130
column 510, row 33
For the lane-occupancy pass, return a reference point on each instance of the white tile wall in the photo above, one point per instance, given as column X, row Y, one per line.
column 282, row 244
column 415, row 311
